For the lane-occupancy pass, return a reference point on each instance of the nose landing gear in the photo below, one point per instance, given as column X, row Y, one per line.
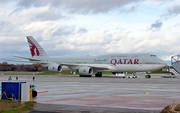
column 98, row 74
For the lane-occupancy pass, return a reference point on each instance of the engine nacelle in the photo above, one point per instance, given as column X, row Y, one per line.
column 85, row 71
column 55, row 67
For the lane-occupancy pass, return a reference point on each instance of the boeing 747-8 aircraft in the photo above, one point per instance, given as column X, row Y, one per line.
column 85, row 66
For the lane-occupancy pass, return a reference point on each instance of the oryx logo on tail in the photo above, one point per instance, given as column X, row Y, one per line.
column 34, row 50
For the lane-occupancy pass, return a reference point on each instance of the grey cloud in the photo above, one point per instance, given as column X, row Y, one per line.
column 3, row 24
column 132, row 8
column 173, row 11
column 50, row 15
column 6, row 1
column 156, row 25
column 29, row 3
column 8, row 28
column 97, row 6
column 129, row 10
column 82, row 6
column 64, row 31
column 82, row 30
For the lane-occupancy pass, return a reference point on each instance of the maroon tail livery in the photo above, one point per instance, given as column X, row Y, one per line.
column 35, row 48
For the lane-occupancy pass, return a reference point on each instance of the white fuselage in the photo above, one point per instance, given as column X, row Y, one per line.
column 125, row 62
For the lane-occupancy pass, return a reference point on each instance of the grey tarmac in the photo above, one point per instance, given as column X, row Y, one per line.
column 107, row 94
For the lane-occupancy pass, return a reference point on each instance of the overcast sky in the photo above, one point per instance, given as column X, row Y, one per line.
column 90, row 27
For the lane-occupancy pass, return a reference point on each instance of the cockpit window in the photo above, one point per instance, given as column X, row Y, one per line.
column 153, row 55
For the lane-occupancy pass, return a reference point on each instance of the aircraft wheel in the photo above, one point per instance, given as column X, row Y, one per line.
column 148, row 76
column 34, row 94
column 99, row 74
column 85, row 75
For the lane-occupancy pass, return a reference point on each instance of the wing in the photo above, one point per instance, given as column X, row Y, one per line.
column 95, row 67
column 70, row 65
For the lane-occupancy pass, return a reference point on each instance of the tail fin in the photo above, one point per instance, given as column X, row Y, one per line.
column 35, row 48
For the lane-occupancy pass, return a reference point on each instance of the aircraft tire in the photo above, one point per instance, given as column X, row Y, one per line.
column 148, row 76
column 34, row 94
column 98, row 74
column 85, row 75
column 89, row 76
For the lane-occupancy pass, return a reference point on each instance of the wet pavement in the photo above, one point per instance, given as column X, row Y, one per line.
column 105, row 94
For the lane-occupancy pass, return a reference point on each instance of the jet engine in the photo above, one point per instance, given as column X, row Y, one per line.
column 85, row 71
column 55, row 67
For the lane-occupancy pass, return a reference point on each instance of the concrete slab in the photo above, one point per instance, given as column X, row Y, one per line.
column 108, row 91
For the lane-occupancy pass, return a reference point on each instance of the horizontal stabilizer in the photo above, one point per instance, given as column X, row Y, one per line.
column 31, row 59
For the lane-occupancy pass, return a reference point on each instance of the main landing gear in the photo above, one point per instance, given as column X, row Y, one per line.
column 98, row 74
column 85, row 75
column 148, row 76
